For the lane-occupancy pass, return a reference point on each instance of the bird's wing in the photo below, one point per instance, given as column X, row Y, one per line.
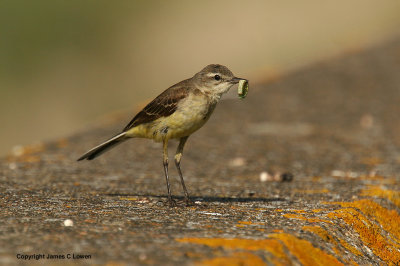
column 163, row 105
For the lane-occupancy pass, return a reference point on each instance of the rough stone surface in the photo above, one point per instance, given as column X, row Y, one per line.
column 304, row 170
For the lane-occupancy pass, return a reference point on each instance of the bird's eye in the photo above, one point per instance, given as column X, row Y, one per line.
column 217, row 77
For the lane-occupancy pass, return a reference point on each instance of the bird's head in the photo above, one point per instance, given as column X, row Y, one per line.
column 216, row 79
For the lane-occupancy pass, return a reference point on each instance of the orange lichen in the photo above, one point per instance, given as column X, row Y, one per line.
column 245, row 222
column 352, row 262
column 388, row 219
column 305, row 252
column 349, row 247
column 369, row 232
column 249, row 223
column 322, row 233
column 298, row 211
column 377, row 191
column 294, row 216
column 274, row 247
column 237, row 243
column 301, row 217
column 237, row 258
column 317, row 210
column 376, row 226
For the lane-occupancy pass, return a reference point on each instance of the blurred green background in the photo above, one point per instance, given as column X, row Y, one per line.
column 65, row 64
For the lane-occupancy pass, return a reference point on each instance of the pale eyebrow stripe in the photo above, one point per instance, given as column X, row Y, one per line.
column 213, row 74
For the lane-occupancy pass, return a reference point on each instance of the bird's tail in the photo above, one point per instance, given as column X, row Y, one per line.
column 105, row 146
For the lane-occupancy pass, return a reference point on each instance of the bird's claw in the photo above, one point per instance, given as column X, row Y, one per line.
column 171, row 203
column 189, row 202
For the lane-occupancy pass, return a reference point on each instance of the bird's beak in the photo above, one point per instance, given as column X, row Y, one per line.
column 236, row 80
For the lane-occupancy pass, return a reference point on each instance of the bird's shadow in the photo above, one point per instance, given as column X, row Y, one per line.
column 201, row 199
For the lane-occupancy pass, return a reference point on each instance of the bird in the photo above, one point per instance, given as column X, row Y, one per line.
column 176, row 113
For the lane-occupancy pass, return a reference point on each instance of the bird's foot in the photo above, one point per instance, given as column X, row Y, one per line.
column 189, row 202
column 171, row 202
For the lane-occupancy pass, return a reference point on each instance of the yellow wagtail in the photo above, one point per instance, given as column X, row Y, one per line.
column 176, row 113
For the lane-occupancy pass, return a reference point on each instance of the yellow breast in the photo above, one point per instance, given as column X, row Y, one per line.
column 191, row 114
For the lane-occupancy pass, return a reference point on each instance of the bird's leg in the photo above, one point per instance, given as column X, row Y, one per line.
column 171, row 202
column 178, row 157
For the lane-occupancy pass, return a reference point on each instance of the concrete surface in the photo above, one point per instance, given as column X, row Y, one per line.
column 333, row 127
